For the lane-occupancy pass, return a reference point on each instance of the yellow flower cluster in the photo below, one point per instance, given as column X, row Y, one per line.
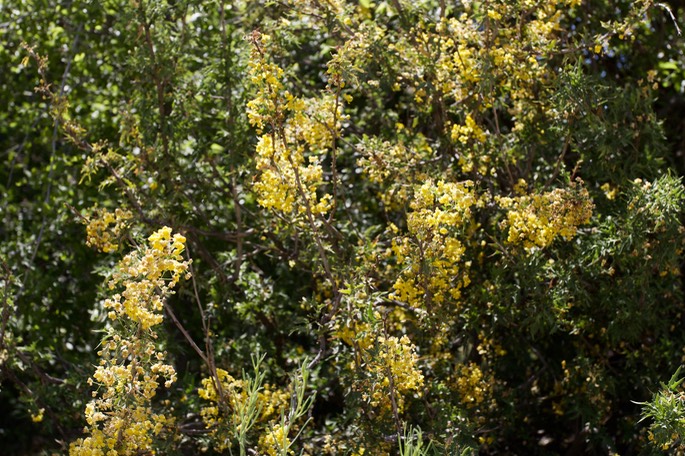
column 431, row 255
column 393, row 165
column 396, row 359
column 147, row 277
column 127, row 433
column 470, row 385
column 285, row 182
column 355, row 333
column 609, row 191
column 105, row 228
column 38, row 416
column 470, row 139
column 488, row 59
column 468, row 132
column 120, row 417
column 383, row 161
column 211, row 414
column 271, row 402
column 274, row 441
column 301, row 132
column 536, row 220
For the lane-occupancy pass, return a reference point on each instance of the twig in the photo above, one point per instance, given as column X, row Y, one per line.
column 53, row 151
column 185, row 333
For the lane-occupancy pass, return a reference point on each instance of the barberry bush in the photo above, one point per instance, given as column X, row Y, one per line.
column 341, row 227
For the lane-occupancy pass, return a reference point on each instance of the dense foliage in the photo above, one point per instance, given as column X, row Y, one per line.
column 341, row 227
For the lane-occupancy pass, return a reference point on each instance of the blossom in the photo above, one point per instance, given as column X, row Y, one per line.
column 104, row 228
column 536, row 220
column 274, row 441
column 302, row 131
column 218, row 416
column 432, row 254
column 120, row 417
column 395, row 364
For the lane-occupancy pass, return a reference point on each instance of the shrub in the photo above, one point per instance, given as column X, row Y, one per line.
column 341, row 227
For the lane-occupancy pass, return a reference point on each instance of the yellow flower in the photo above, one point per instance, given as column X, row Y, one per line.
column 536, row 220
column 38, row 416
column 105, row 228
column 274, row 442
column 120, row 417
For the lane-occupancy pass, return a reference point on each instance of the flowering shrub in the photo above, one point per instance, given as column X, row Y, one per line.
column 341, row 227
column 120, row 417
